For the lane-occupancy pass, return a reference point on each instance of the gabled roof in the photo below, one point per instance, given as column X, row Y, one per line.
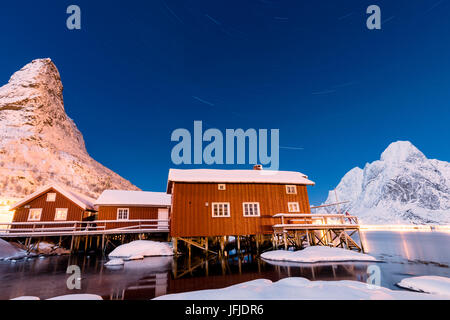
column 84, row 202
column 237, row 176
column 134, row 198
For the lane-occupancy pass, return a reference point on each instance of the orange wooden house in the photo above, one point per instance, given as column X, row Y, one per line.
column 127, row 209
column 211, row 203
column 53, row 203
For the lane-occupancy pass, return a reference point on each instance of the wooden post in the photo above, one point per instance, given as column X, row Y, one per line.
column 71, row 245
column 257, row 242
column 206, row 247
column 285, row 240
column 175, row 245
column 238, row 241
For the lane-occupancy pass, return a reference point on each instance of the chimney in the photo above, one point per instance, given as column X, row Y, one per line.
column 257, row 167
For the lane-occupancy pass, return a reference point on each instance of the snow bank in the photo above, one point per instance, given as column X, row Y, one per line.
column 26, row 298
column 427, row 284
column 78, row 297
column 10, row 252
column 145, row 248
column 316, row 254
column 300, row 289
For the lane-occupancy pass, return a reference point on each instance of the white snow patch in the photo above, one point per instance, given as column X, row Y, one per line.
column 26, row 298
column 145, row 248
column 427, row 284
column 78, row 297
column 300, row 289
column 317, row 254
column 125, row 197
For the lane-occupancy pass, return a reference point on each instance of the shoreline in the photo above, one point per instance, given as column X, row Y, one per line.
column 422, row 228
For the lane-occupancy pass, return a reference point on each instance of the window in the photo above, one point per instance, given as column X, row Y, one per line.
column 61, row 214
column 34, row 215
column 123, row 213
column 220, row 209
column 222, row 187
column 251, row 209
column 291, row 189
column 293, row 207
column 51, row 197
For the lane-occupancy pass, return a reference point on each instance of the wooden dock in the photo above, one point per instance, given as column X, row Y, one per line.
column 306, row 229
column 88, row 234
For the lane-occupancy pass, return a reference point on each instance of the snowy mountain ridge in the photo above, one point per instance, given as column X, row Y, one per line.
column 403, row 187
column 39, row 143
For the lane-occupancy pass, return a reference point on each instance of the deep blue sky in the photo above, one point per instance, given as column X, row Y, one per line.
column 312, row 69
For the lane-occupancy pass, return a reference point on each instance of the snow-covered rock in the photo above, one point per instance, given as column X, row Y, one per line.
column 10, row 252
column 145, row 248
column 403, row 187
column 115, row 263
column 427, row 284
column 316, row 254
column 39, row 143
column 300, row 289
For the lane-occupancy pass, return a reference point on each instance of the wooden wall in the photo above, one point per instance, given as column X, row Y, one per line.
column 191, row 217
column 74, row 212
column 110, row 213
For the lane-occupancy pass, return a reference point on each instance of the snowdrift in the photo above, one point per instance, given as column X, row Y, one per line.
column 300, row 289
column 316, row 254
column 427, row 284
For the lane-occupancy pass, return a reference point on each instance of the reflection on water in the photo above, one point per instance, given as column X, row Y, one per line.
column 402, row 254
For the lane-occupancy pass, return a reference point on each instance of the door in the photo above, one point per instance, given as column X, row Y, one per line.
column 163, row 214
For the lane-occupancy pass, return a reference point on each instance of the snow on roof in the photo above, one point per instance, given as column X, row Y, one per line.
column 238, row 176
column 84, row 202
column 134, row 198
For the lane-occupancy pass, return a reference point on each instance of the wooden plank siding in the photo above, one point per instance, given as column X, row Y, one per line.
column 74, row 212
column 192, row 208
column 135, row 213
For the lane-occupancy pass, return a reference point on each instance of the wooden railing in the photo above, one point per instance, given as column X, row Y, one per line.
column 97, row 227
column 308, row 220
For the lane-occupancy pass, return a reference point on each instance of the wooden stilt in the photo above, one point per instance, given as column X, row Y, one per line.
column 175, row 245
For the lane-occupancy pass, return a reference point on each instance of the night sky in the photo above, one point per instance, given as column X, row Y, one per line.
column 338, row 92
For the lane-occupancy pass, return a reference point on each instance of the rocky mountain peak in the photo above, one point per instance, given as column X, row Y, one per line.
column 401, row 151
column 39, row 143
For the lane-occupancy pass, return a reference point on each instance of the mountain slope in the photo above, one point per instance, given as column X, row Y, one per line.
column 39, row 143
column 402, row 187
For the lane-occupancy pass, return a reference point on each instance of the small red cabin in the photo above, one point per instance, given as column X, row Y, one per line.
column 126, row 208
column 53, row 203
column 207, row 203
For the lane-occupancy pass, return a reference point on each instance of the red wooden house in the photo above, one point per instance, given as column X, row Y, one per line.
column 210, row 203
column 126, row 209
column 53, row 203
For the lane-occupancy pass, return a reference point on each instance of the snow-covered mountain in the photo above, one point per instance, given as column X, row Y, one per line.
column 39, row 143
column 403, row 187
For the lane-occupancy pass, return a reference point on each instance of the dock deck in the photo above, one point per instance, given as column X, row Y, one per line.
column 307, row 229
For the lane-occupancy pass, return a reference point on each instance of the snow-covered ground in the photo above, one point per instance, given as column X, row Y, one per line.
column 141, row 248
column 316, row 254
column 427, row 284
column 300, row 289
column 10, row 252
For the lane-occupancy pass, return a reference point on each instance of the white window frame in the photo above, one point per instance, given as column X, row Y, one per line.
column 252, row 204
column 214, row 204
column 56, row 214
column 51, row 197
column 288, row 186
column 123, row 209
column 222, row 187
column 35, row 209
column 293, row 210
